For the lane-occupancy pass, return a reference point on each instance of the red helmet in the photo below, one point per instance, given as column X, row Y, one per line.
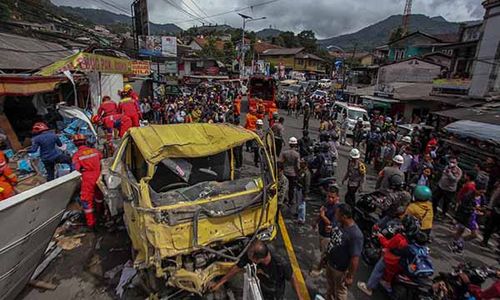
column 79, row 139
column 39, row 127
column 3, row 164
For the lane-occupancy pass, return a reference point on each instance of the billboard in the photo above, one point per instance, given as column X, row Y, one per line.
column 141, row 18
column 159, row 46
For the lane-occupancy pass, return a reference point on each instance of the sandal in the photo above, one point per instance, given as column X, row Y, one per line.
column 362, row 286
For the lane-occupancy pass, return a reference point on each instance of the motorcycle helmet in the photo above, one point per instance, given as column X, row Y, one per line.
column 422, row 193
column 392, row 228
column 421, row 238
column 324, row 147
column 396, row 182
column 411, row 226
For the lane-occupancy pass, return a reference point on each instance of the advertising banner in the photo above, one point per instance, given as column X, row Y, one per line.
column 158, row 46
column 169, row 46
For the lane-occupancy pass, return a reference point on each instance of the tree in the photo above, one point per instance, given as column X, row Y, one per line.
column 396, row 34
column 307, row 39
column 210, row 49
column 229, row 52
column 289, row 40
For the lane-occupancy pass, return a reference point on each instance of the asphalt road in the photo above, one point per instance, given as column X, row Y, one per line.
column 305, row 240
column 80, row 273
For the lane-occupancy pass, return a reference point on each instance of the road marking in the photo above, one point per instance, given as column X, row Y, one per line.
column 293, row 259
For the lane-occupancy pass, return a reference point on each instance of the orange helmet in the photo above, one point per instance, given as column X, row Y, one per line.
column 79, row 139
column 95, row 119
column 39, row 127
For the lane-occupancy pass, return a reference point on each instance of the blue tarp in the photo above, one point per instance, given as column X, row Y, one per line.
column 481, row 131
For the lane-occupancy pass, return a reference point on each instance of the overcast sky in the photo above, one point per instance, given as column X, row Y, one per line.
column 326, row 18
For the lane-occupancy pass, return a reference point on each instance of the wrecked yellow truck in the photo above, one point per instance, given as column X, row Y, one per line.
column 193, row 199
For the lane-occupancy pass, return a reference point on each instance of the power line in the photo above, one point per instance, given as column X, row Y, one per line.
column 227, row 12
column 182, row 10
column 200, row 9
column 120, row 9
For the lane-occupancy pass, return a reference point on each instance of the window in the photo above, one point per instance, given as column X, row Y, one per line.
column 399, row 54
column 300, row 61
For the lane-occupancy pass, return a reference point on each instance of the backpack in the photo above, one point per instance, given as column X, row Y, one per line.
column 419, row 263
column 327, row 169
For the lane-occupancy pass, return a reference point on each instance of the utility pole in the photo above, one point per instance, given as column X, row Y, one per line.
column 245, row 20
column 406, row 17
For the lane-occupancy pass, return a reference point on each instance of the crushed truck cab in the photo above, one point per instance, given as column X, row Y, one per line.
column 189, row 210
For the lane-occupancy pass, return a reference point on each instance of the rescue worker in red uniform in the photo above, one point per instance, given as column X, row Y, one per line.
column 131, row 93
column 87, row 161
column 122, row 123
column 261, row 109
column 128, row 106
column 7, row 179
column 107, row 108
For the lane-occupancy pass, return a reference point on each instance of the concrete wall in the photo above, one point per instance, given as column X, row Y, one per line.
column 412, row 70
column 483, row 74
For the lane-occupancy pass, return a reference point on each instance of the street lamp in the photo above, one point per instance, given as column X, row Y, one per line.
column 246, row 19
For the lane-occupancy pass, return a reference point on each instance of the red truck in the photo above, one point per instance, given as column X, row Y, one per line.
column 262, row 87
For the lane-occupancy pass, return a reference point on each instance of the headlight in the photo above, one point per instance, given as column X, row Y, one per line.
column 266, row 234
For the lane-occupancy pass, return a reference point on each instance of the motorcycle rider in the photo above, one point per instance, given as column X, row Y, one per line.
column 305, row 144
column 388, row 172
column 421, row 208
column 87, row 161
column 355, row 176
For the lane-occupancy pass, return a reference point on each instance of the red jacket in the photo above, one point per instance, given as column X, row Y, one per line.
column 392, row 266
column 87, row 161
column 493, row 292
column 107, row 108
column 128, row 106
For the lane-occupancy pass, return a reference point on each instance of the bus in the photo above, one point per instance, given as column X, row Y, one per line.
column 261, row 87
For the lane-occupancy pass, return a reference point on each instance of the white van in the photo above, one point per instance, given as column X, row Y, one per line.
column 353, row 113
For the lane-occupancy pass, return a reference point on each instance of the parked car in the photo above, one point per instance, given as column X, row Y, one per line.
column 318, row 94
column 294, row 89
column 325, row 83
column 353, row 113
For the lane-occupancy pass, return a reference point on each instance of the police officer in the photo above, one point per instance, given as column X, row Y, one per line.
column 255, row 146
column 278, row 130
column 290, row 159
column 323, row 163
column 355, row 176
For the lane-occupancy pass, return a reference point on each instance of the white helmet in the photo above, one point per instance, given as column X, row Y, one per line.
column 354, row 153
column 292, row 141
column 259, row 122
column 398, row 159
column 388, row 119
column 406, row 139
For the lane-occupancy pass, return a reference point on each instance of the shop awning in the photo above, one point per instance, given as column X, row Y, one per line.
column 92, row 62
column 477, row 130
column 23, row 85
column 484, row 114
column 380, row 99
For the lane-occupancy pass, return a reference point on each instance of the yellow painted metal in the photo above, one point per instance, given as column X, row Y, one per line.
column 154, row 239
column 157, row 142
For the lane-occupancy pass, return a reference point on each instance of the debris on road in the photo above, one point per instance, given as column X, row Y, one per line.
column 46, row 262
column 42, row 285
column 128, row 273
column 70, row 242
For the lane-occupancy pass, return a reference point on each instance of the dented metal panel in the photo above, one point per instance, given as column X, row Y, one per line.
column 28, row 221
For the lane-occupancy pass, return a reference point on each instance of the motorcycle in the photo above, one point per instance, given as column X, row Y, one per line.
column 320, row 184
column 452, row 285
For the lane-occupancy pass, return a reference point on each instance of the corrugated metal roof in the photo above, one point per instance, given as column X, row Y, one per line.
column 24, row 53
column 283, row 51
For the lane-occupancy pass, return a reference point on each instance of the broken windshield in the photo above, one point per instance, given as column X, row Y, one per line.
column 189, row 179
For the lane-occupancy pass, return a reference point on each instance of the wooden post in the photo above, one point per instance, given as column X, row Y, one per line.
column 5, row 125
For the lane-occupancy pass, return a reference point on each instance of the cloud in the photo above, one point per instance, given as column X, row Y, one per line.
column 325, row 17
